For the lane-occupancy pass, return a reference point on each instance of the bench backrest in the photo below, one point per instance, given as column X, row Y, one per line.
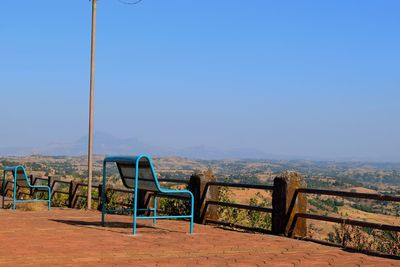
column 147, row 179
column 21, row 177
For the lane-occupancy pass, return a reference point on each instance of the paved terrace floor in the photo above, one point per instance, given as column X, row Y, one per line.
column 66, row 237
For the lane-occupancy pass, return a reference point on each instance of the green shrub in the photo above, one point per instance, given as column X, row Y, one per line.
column 363, row 238
column 247, row 218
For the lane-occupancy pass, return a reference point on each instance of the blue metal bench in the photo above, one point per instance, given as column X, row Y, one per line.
column 138, row 173
column 21, row 180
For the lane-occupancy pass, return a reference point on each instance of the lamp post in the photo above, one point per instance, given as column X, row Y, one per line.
column 91, row 106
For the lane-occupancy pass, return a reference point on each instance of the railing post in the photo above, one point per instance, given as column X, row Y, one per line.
column 71, row 194
column 141, row 204
column 286, row 203
column 49, row 183
column 100, row 191
column 31, row 183
column 194, row 187
column 279, row 206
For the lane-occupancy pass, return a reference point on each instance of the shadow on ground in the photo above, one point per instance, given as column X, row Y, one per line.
column 110, row 226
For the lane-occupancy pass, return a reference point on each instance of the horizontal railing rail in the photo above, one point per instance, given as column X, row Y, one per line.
column 385, row 227
column 61, row 182
column 239, row 206
column 233, row 205
column 176, row 181
column 340, row 220
column 242, row 185
column 120, row 190
column 348, row 194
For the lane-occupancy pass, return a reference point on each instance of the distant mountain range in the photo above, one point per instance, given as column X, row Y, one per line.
column 107, row 144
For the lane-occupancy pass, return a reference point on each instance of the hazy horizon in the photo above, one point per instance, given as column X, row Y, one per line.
column 310, row 78
column 107, row 144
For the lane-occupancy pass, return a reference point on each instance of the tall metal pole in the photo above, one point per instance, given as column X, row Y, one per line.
column 91, row 107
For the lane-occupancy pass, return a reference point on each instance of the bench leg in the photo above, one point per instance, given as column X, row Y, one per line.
column 192, row 214
column 49, row 203
column 135, row 208
column 15, row 195
column 134, row 222
column 191, row 225
column 3, row 189
column 103, row 194
column 155, row 210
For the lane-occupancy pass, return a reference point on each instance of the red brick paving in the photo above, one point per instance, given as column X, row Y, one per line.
column 66, row 237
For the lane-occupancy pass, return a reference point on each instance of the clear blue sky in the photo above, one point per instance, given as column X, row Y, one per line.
column 314, row 78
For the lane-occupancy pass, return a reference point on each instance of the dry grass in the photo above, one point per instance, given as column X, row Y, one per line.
column 33, row 206
column 243, row 196
column 362, row 190
column 28, row 206
column 367, row 216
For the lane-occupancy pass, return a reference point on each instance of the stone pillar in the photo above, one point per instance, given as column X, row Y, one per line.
column 285, row 186
column 202, row 193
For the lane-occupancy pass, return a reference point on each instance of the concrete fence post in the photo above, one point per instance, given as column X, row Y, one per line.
column 286, row 203
column 203, row 192
column 71, row 194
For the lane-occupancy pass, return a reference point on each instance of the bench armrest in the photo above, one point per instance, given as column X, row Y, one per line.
column 173, row 191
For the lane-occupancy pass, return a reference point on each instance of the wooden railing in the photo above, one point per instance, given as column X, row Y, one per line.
column 73, row 189
column 369, row 196
column 339, row 220
column 285, row 219
column 207, row 203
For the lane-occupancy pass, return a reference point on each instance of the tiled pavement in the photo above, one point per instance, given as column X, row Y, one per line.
column 65, row 237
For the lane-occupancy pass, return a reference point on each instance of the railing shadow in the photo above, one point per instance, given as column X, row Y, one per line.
column 110, row 225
